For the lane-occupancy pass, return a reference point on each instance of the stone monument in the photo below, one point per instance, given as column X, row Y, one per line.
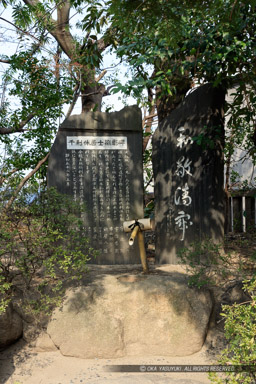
column 188, row 169
column 97, row 159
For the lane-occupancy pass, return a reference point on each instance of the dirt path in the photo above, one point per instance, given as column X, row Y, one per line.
column 20, row 364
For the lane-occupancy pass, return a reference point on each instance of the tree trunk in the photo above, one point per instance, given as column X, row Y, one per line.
column 92, row 97
column 179, row 84
column 165, row 104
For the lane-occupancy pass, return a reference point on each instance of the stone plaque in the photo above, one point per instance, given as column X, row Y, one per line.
column 97, row 159
column 189, row 191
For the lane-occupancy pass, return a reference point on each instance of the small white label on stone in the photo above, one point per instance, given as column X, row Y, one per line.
column 96, row 142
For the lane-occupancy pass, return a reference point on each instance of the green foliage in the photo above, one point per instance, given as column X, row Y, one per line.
column 95, row 18
column 240, row 332
column 214, row 264
column 245, row 185
column 205, row 262
column 42, row 247
column 149, row 209
column 208, row 265
column 209, row 137
column 41, row 96
column 4, row 288
column 147, row 165
column 241, row 119
column 148, row 178
column 168, row 43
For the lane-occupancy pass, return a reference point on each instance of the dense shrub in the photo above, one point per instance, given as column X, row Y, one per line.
column 240, row 332
column 42, row 245
column 208, row 265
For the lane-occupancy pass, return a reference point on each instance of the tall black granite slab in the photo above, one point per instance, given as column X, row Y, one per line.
column 97, row 159
column 189, row 178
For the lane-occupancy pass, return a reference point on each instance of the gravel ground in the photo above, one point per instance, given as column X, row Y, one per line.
column 20, row 364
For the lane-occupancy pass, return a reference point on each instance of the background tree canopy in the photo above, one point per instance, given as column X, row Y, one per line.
column 169, row 48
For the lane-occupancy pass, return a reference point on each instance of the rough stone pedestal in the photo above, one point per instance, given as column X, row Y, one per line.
column 132, row 315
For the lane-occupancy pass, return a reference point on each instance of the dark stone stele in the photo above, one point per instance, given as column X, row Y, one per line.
column 108, row 181
column 189, row 178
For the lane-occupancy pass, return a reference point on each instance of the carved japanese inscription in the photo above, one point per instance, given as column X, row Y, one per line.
column 188, row 172
column 100, row 165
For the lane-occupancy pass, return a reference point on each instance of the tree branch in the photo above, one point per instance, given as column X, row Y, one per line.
column 58, row 29
column 148, row 120
column 75, row 97
column 102, row 45
column 101, row 75
column 104, row 42
column 21, row 30
column 23, row 182
column 8, row 131
column 232, row 10
column 2, row 178
column 148, row 183
column 5, row 61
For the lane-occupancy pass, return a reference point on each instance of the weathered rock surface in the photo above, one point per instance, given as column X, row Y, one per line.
column 44, row 344
column 11, row 327
column 132, row 315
